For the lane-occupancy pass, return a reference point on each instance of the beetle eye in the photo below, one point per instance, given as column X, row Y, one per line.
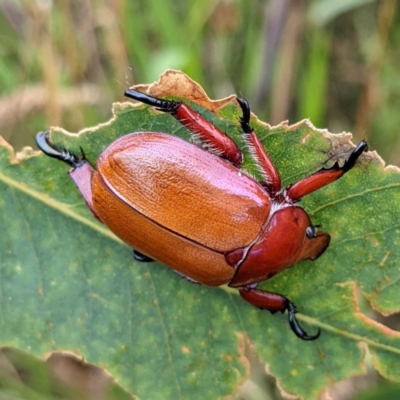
column 311, row 232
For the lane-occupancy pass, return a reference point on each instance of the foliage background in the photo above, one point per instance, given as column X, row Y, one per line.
column 64, row 62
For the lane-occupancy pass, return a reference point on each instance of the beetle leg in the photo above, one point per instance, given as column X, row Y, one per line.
column 275, row 302
column 324, row 176
column 268, row 171
column 217, row 142
column 81, row 172
column 141, row 257
column 45, row 144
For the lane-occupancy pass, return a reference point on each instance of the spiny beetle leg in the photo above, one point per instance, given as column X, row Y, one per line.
column 141, row 257
column 324, row 176
column 216, row 141
column 168, row 106
column 267, row 169
column 81, row 172
column 45, row 144
column 275, row 302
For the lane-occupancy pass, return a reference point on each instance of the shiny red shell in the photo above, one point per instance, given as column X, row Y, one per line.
column 196, row 212
column 177, row 203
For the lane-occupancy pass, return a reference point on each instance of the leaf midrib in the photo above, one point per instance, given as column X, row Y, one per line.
column 354, row 336
column 61, row 207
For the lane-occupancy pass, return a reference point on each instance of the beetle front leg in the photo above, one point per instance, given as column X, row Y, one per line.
column 324, row 176
column 275, row 302
column 218, row 142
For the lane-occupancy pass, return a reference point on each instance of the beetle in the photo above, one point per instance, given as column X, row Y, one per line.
column 196, row 210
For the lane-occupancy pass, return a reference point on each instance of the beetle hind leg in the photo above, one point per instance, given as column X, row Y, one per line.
column 168, row 106
column 275, row 302
column 216, row 141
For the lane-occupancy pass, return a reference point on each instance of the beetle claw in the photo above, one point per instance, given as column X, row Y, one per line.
column 294, row 324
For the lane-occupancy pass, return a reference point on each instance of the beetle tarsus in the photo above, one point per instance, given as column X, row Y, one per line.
column 351, row 161
column 46, row 145
column 245, row 118
column 167, row 106
column 349, row 164
column 294, row 324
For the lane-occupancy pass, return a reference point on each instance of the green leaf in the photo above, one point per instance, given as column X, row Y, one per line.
column 61, row 376
column 68, row 283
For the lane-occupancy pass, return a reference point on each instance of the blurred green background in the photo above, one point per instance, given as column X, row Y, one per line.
column 63, row 62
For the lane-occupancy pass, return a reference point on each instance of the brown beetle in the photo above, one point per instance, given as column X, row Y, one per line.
column 196, row 211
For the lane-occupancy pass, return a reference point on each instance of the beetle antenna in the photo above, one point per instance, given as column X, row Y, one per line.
column 46, row 145
column 294, row 324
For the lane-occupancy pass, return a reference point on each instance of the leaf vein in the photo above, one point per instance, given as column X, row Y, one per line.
column 359, row 194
